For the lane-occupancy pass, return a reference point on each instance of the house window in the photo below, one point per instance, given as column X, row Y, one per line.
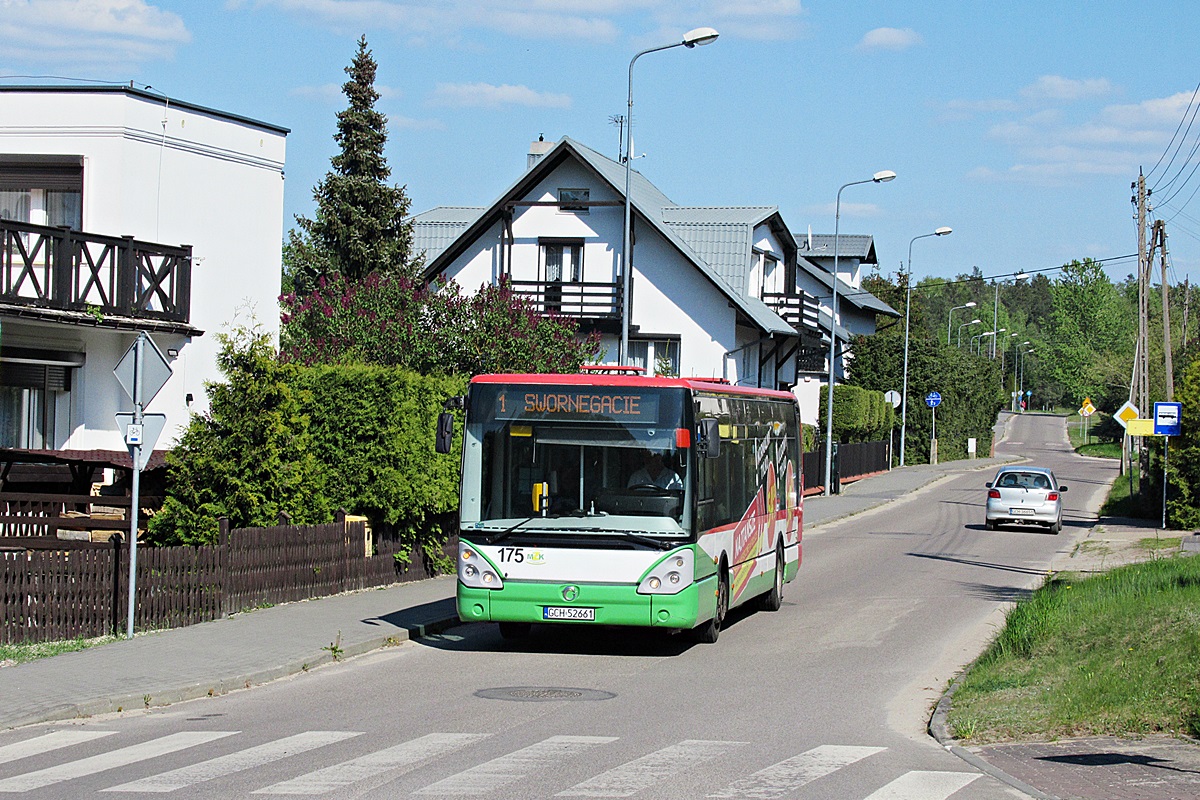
column 34, row 382
column 771, row 283
column 574, row 200
column 42, row 190
column 657, row 356
column 562, row 261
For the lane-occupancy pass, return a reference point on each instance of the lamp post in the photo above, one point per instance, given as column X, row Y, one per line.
column 696, row 36
column 1021, row 386
column 950, row 317
column 975, row 321
column 883, row 176
column 943, row 231
column 1017, row 357
column 987, row 335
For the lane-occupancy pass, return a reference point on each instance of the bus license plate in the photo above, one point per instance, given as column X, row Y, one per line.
column 1024, row 512
column 570, row 613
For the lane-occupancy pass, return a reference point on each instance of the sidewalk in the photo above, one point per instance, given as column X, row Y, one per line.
column 256, row 647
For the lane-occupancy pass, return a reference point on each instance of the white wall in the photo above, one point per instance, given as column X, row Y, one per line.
column 202, row 179
column 670, row 296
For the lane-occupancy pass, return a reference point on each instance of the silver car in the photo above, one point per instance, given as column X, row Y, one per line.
column 1024, row 496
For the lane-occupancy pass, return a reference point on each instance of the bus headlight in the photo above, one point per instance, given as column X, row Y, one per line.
column 476, row 571
column 671, row 575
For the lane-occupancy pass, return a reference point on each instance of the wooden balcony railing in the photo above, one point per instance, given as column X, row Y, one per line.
column 798, row 310
column 66, row 270
column 586, row 301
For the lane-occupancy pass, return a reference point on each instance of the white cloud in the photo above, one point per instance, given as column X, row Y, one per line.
column 332, row 92
column 73, row 32
column 1056, row 87
column 598, row 21
column 890, row 39
column 485, row 95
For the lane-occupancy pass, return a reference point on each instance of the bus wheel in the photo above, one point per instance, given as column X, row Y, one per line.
column 772, row 600
column 709, row 631
column 514, row 630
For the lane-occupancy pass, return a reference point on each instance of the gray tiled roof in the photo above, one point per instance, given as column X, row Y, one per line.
column 859, row 297
column 723, row 237
column 436, row 229
column 850, row 245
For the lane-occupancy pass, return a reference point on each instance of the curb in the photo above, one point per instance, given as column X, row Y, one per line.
column 178, row 694
column 938, row 730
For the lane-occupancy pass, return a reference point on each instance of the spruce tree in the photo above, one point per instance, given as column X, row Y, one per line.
column 361, row 224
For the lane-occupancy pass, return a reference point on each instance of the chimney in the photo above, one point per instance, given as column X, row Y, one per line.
column 536, row 151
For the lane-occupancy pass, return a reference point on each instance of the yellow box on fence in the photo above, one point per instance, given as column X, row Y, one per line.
column 367, row 545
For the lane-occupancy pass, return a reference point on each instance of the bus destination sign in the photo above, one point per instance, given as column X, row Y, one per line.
column 577, row 406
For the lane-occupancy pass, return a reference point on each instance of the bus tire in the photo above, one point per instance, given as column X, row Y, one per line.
column 709, row 631
column 772, row 600
column 514, row 630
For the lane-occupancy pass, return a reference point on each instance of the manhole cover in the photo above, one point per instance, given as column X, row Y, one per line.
column 542, row 694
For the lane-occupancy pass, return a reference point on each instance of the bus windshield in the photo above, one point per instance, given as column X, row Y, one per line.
column 609, row 459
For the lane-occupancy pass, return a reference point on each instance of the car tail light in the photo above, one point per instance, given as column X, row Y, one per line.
column 1052, row 496
column 994, row 494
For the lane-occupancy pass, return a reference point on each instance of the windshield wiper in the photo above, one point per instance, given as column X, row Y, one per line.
column 658, row 544
column 504, row 534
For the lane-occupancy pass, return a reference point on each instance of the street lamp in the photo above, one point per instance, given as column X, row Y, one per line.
column 975, row 321
column 943, row 231
column 950, row 316
column 696, row 36
column 1021, row 386
column 883, row 176
column 985, row 335
column 1017, row 368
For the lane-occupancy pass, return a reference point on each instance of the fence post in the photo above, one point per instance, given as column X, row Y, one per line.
column 115, row 539
column 223, row 558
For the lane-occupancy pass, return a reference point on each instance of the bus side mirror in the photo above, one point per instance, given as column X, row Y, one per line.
column 445, row 433
column 708, row 438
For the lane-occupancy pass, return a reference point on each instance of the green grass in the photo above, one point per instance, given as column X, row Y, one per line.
column 1100, row 449
column 1113, row 654
column 29, row 651
column 1120, row 503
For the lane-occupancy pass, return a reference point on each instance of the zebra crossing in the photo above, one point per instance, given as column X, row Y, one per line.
column 646, row 772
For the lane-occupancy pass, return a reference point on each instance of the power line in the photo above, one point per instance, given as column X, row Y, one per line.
column 1173, row 136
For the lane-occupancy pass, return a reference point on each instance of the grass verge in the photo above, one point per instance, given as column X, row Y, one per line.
column 1112, row 654
column 30, row 651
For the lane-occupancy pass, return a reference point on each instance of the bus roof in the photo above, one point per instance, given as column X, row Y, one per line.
column 601, row 379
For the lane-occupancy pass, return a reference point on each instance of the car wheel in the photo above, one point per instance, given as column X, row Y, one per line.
column 709, row 631
column 772, row 600
column 991, row 526
column 1056, row 527
column 515, row 630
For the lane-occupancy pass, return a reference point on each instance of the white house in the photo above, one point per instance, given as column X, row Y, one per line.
column 121, row 211
column 714, row 291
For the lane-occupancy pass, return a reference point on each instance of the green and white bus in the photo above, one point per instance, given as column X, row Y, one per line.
column 607, row 498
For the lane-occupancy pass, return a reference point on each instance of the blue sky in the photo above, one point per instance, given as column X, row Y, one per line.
column 1019, row 124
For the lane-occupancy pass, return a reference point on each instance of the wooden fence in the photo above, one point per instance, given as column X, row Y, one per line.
column 53, row 589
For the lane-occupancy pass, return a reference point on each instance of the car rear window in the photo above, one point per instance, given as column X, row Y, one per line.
column 1024, row 480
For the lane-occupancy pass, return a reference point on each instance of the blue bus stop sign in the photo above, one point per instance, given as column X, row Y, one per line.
column 933, row 399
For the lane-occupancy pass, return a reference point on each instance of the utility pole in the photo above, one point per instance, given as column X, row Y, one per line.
column 1141, row 371
column 1160, row 239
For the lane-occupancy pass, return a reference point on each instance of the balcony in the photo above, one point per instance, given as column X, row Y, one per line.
column 587, row 302
column 801, row 311
column 115, row 281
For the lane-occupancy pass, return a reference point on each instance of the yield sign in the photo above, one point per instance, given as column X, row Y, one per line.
column 1126, row 413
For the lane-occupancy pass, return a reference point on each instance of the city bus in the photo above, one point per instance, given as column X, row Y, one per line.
column 609, row 498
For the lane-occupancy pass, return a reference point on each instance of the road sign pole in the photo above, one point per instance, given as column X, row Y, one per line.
column 139, row 361
column 1166, row 449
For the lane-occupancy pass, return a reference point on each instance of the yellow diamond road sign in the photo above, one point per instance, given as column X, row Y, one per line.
column 1087, row 409
column 1126, row 414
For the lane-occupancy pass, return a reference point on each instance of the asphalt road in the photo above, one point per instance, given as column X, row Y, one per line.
column 826, row 698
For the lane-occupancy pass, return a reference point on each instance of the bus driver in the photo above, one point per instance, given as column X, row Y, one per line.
column 654, row 472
